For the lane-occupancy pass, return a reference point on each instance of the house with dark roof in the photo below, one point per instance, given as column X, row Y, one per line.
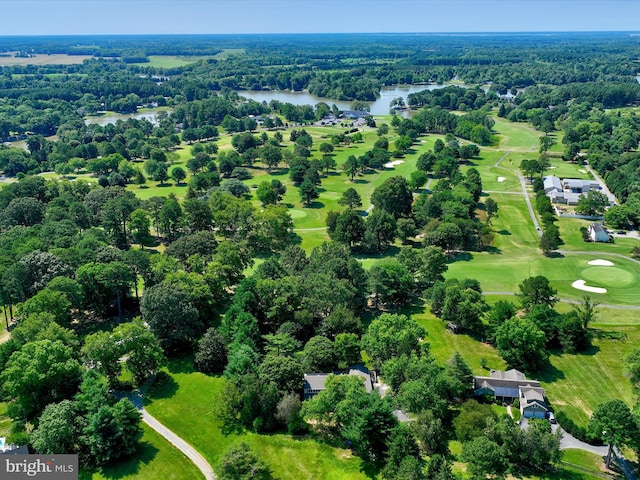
column 314, row 383
column 501, row 385
column 532, row 402
column 512, row 384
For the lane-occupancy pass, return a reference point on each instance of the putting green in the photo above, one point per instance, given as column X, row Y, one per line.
column 613, row 277
column 297, row 213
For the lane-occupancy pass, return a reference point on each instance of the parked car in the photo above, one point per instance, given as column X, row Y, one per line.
column 621, row 232
column 551, row 417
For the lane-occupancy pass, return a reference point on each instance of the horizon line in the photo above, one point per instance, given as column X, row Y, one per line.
column 160, row 34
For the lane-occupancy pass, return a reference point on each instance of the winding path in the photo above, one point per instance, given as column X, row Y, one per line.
column 188, row 451
column 584, row 252
column 575, row 302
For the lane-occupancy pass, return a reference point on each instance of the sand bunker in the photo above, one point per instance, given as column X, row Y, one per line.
column 501, row 179
column 552, row 167
column 393, row 164
column 601, row 263
column 580, row 285
column 582, row 170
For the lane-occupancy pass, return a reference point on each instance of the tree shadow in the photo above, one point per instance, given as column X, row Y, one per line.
column 503, row 232
column 493, row 250
column 370, row 469
column 554, row 255
column 315, row 205
column 129, row 468
column 181, row 364
column 360, row 181
column 164, row 387
column 550, row 374
column 461, row 257
column 609, row 335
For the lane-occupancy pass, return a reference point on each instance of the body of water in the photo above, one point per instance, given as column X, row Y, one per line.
column 377, row 107
column 111, row 117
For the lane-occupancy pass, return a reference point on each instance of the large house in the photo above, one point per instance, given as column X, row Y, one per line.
column 314, row 383
column 568, row 191
column 512, row 384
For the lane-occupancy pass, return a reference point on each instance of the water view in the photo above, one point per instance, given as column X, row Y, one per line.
column 377, row 107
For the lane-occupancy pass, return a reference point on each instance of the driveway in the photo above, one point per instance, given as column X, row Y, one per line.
column 569, row 441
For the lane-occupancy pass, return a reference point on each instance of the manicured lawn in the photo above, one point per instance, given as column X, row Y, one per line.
column 156, row 459
column 168, row 61
column 184, row 401
column 583, row 459
column 517, row 136
column 570, row 379
column 443, row 344
column 5, row 421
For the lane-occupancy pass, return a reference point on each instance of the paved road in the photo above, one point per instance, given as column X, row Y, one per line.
column 528, row 200
column 576, row 302
column 605, row 189
column 583, row 252
column 190, row 452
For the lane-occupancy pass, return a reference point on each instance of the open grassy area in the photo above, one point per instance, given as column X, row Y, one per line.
column 184, row 400
column 443, row 344
column 516, row 136
column 45, row 59
column 169, row 61
column 5, row 421
column 570, row 379
column 156, row 459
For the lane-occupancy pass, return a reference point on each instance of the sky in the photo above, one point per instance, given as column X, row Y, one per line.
column 80, row 17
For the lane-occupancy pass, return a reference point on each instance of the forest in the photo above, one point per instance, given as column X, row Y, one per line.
column 259, row 242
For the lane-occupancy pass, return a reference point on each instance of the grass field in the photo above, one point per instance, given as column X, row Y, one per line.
column 44, row 59
column 169, row 61
column 183, row 400
column 156, row 459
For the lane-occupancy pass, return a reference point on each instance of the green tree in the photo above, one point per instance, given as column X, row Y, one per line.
column 491, row 207
column 47, row 301
column 350, row 198
column 613, row 422
column 240, row 463
column 593, row 204
column 308, row 192
column 319, row 355
column 391, row 335
column 58, row 429
column 380, row 230
column 171, row 316
column 349, row 228
column 522, row 345
column 285, row 372
column 536, row 291
column 394, row 196
column 473, row 420
column 211, row 354
column 360, row 418
column 178, row 174
column 140, row 225
column 40, row 373
column 113, row 432
column 390, row 283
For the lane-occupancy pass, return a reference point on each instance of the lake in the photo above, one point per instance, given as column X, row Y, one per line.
column 377, row 107
column 112, row 117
